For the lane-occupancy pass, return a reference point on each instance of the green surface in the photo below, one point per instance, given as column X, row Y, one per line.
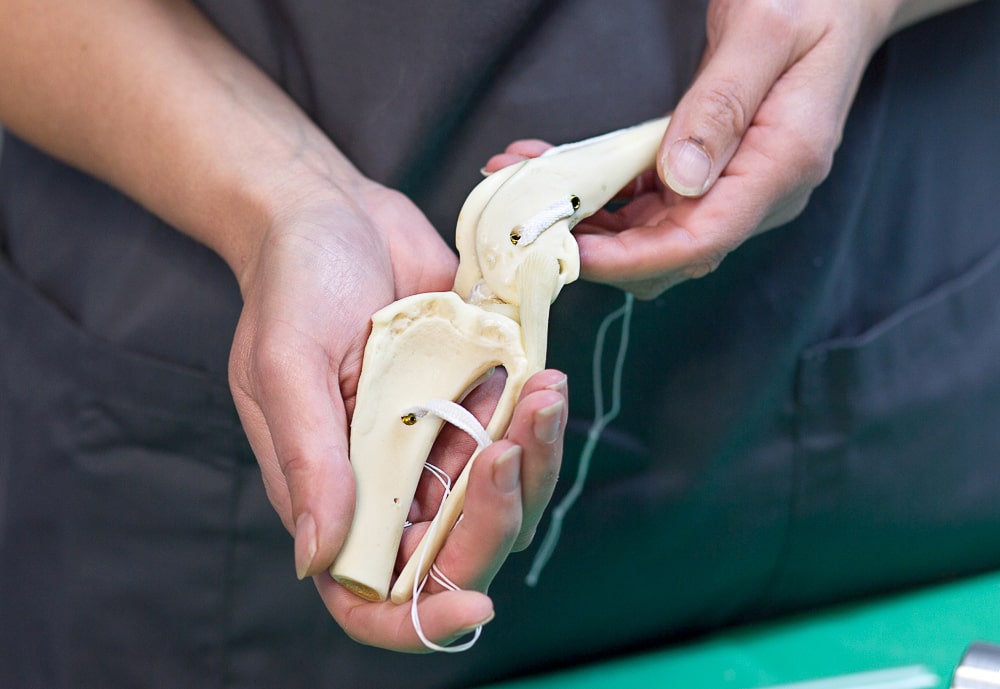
column 922, row 633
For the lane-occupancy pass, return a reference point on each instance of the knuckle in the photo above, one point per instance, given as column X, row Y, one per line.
column 295, row 464
column 524, row 539
column 770, row 22
column 792, row 210
column 272, row 357
column 820, row 160
column 723, row 108
column 649, row 290
column 776, row 20
column 700, row 269
column 705, row 261
column 815, row 152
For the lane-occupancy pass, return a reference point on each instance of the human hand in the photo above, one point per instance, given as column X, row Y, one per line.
column 509, row 486
column 746, row 145
column 323, row 268
column 320, row 274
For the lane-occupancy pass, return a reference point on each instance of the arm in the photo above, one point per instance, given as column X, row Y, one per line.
column 148, row 96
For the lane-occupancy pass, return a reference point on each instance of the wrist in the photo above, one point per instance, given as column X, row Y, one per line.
column 261, row 194
column 292, row 194
column 906, row 12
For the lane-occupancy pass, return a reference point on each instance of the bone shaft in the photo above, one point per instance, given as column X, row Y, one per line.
column 538, row 283
column 433, row 540
column 427, row 346
column 385, row 483
column 605, row 164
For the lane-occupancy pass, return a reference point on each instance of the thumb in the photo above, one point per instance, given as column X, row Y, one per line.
column 710, row 120
column 297, row 424
column 313, row 456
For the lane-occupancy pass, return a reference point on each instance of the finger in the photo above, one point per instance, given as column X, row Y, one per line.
column 500, row 161
column 529, row 148
column 444, row 617
column 517, row 152
column 454, row 446
column 646, row 260
column 491, row 519
column 661, row 245
column 644, row 183
column 472, row 555
column 754, row 47
column 480, row 543
column 670, row 244
column 302, row 414
column 538, row 426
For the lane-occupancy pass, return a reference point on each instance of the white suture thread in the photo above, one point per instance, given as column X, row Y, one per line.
column 456, row 415
column 462, row 418
column 533, row 227
column 601, row 420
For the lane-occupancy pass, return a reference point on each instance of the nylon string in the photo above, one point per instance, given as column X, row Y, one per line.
column 601, row 420
column 462, row 418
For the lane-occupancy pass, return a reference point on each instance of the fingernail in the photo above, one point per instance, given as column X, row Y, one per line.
column 548, row 422
column 507, row 470
column 559, row 386
column 305, row 544
column 687, row 166
column 473, row 627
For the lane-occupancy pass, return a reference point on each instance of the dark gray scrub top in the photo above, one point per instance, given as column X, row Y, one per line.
column 814, row 421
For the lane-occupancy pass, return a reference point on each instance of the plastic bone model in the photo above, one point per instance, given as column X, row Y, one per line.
column 516, row 253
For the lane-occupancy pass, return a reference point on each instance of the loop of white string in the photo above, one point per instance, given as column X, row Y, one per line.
column 531, row 229
column 455, row 414
column 462, row 418
column 601, row 420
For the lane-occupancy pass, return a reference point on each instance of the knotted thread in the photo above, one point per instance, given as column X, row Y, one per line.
column 461, row 418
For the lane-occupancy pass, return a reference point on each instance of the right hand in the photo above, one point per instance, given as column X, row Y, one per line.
column 748, row 143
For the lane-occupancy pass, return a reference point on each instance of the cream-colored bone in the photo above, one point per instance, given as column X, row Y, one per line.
column 469, row 274
column 539, row 271
column 387, row 455
column 436, row 345
column 593, row 170
column 433, row 539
